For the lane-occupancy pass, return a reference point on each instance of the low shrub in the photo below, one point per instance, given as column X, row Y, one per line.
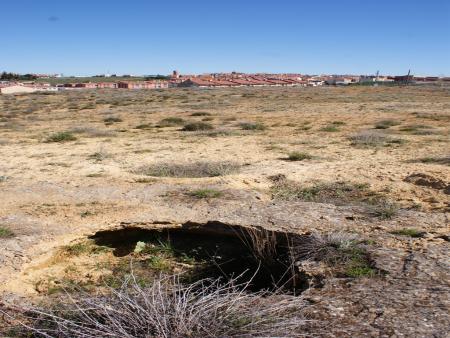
column 338, row 193
column 304, row 128
column 372, row 139
column 445, row 160
column 112, row 119
column 385, row 124
column 343, row 252
column 144, row 126
column 191, row 170
column 205, row 193
column 63, row 136
column 383, row 209
column 5, row 232
column 252, row 126
column 338, row 123
column 200, row 113
column 197, row 126
column 419, row 129
column 99, row 156
column 171, row 122
column 167, row 308
column 92, row 132
column 408, row 232
column 298, row 156
column 330, row 128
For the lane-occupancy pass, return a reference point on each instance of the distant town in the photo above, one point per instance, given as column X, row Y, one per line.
column 11, row 83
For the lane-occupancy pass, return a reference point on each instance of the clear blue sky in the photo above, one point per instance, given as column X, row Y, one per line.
column 82, row 37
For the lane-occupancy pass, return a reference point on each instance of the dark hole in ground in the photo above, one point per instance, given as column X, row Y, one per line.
column 218, row 250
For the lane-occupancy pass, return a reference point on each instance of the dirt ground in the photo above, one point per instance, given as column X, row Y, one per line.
column 56, row 189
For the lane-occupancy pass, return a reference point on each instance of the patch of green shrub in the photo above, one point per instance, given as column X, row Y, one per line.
column 197, row 126
column 298, row 156
column 63, row 136
column 252, row 126
column 205, row 193
column 408, row 232
column 5, row 232
column 171, row 122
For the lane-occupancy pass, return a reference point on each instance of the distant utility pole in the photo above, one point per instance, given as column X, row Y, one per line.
column 407, row 77
column 376, row 76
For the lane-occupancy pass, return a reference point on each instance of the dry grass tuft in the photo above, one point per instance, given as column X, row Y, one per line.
column 252, row 126
column 372, row 139
column 385, row 124
column 207, row 308
column 91, row 131
column 445, row 160
column 200, row 113
column 339, row 250
column 112, row 119
column 5, row 232
column 60, row 137
column 323, row 192
column 197, row 126
column 298, row 156
column 337, row 193
column 171, row 122
column 189, row 170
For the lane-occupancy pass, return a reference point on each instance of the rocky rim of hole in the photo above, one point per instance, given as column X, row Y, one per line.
column 257, row 258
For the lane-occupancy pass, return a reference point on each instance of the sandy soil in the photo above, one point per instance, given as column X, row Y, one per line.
column 53, row 193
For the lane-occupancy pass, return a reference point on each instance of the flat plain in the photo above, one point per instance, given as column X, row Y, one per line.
column 369, row 161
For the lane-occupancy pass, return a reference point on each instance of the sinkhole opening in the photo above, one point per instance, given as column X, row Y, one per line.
column 254, row 259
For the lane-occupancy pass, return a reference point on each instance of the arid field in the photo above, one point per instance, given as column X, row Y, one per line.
column 359, row 177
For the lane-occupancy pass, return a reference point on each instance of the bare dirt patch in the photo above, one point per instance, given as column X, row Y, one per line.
column 55, row 194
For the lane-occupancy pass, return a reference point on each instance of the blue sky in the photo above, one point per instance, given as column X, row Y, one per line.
column 83, row 37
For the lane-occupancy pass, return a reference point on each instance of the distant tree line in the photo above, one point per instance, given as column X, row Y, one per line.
column 157, row 77
column 14, row 76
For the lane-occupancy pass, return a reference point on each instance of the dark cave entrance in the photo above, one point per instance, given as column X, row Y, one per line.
column 255, row 259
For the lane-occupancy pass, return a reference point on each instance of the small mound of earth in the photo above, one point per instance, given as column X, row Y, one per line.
column 428, row 181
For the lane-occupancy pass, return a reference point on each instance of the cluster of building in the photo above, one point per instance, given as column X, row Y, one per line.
column 221, row 80
column 255, row 80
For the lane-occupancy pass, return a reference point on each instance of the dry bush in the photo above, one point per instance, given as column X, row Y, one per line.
column 383, row 209
column 200, row 114
column 252, row 126
column 189, row 170
column 99, row 155
column 197, row 126
column 322, row 192
column 385, row 124
column 445, row 160
column 112, row 119
column 337, row 193
column 343, row 252
column 5, row 232
column 322, row 247
column 171, row 122
column 59, row 137
column 368, row 138
column 91, row 131
column 416, row 128
column 298, row 156
column 261, row 242
column 330, row 128
column 216, row 133
column 207, row 308
column 372, row 139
